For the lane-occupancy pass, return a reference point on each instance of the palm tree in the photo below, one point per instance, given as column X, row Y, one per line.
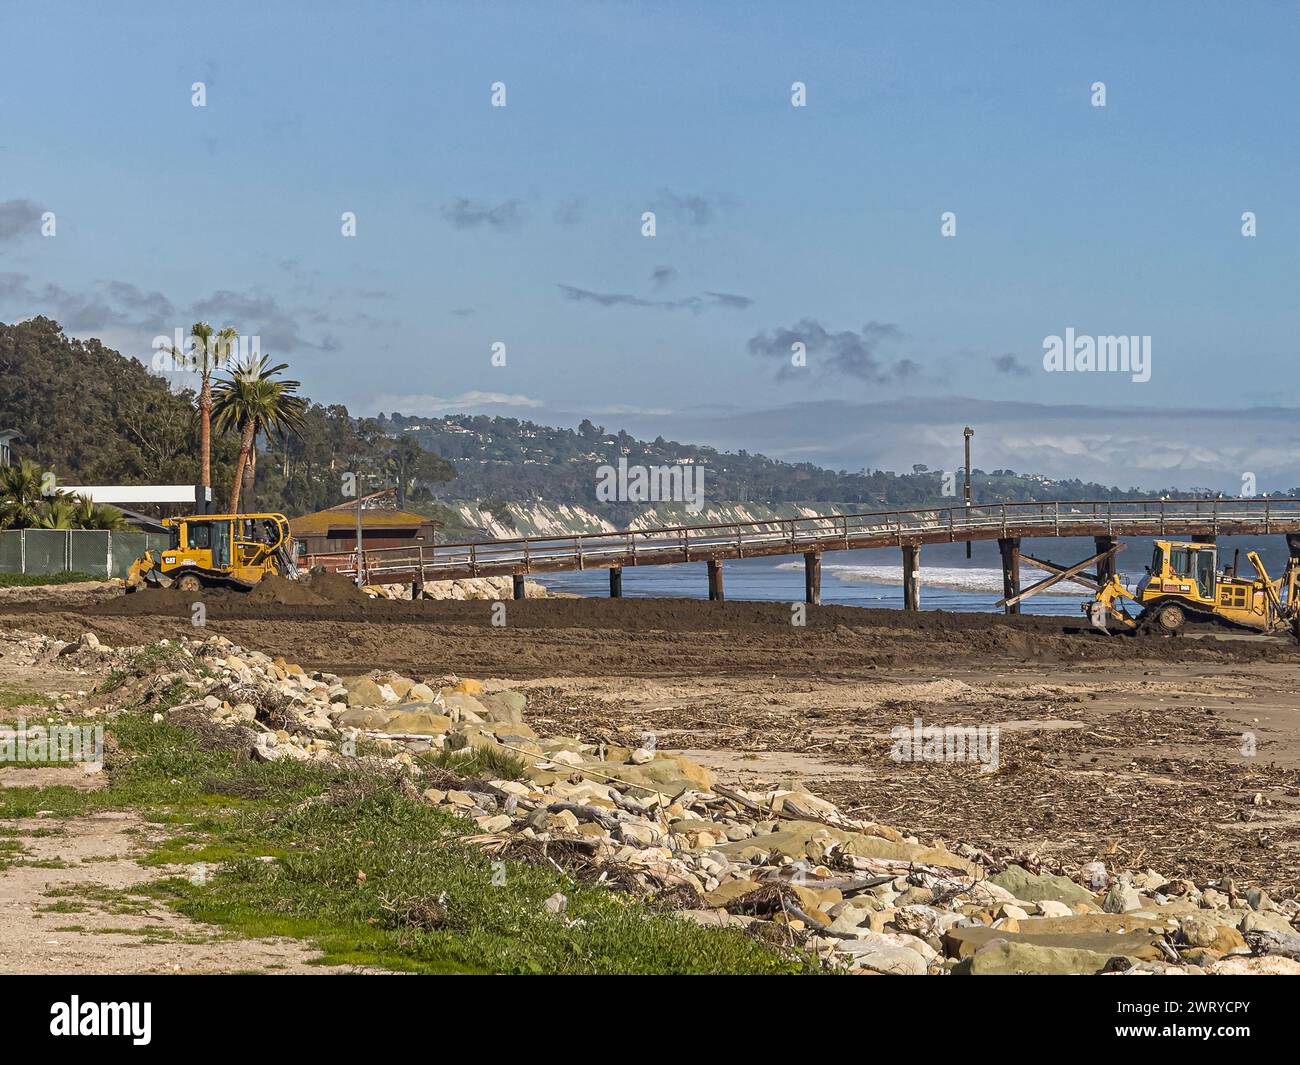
column 210, row 356
column 21, row 499
column 90, row 515
column 60, row 513
column 24, row 504
column 251, row 402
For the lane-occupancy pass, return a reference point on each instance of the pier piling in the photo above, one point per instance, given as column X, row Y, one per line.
column 812, row 578
column 1009, row 548
column 521, row 590
column 616, row 582
column 911, row 576
column 715, row 579
column 1105, row 566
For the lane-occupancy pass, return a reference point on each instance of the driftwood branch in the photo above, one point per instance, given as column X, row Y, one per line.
column 603, row 818
column 1283, row 944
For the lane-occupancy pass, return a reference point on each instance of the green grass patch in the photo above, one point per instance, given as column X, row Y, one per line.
column 120, row 902
column 11, row 851
column 16, row 698
column 189, row 849
column 170, row 776
column 62, row 906
column 480, row 762
column 346, row 859
column 14, row 854
column 37, row 580
column 31, row 762
column 149, row 936
column 384, row 880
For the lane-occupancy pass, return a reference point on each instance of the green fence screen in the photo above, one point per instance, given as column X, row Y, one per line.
column 46, row 552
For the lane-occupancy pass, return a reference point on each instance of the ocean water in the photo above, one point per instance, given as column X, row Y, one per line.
column 847, row 579
column 875, row 578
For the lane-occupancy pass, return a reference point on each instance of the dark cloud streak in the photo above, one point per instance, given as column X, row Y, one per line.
column 1010, row 364
column 846, row 353
column 470, row 214
column 695, row 304
column 18, row 219
column 694, row 209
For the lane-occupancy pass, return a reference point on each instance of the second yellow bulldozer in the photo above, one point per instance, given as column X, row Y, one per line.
column 217, row 550
column 1183, row 583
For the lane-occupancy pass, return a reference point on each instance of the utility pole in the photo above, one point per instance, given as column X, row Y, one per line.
column 360, row 556
column 968, row 432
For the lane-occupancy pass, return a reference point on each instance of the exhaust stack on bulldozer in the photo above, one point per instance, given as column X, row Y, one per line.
column 217, row 551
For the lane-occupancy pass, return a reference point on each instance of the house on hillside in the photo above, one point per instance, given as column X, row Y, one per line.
column 7, row 437
column 334, row 530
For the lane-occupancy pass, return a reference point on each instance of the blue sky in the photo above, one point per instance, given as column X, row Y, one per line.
column 522, row 224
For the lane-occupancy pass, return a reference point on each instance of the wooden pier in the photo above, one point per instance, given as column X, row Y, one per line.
column 1008, row 523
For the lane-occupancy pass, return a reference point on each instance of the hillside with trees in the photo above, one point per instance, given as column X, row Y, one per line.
column 94, row 416
column 509, row 460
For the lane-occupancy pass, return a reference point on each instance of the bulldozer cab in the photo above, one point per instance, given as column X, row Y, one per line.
column 209, row 538
column 1183, row 569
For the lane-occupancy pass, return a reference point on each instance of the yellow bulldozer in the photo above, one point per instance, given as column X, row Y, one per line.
column 217, row 551
column 1183, row 583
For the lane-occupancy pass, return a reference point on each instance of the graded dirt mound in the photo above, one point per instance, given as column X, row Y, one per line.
column 151, row 600
column 263, row 600
column 333, row 588
column 282, row 592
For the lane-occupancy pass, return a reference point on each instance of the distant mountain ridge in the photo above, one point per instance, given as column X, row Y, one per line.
column 505, row 460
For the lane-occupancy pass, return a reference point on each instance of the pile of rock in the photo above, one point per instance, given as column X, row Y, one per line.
column 490, row 588
column 861, row 895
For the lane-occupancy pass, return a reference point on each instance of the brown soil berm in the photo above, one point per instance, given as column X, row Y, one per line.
column 271, row 592
column 335, row 588
column 615, row 637
column 276, row 590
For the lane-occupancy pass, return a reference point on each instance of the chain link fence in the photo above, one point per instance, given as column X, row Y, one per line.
column 47, row 552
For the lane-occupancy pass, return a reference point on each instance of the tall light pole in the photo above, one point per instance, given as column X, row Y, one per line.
column 968, row 432
column 360, row 554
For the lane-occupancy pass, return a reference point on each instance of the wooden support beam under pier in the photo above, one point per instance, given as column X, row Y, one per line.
column 1069, row 573
column 616, row 582
column 812, row 578
column 715, row 579
column 1009, row 548
column 1105, row 562
column 911, row 576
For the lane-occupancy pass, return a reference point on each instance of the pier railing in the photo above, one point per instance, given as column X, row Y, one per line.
column 788, row 536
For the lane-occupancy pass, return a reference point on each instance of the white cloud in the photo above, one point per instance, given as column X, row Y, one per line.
column 465, row 402
column 1143, row 447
